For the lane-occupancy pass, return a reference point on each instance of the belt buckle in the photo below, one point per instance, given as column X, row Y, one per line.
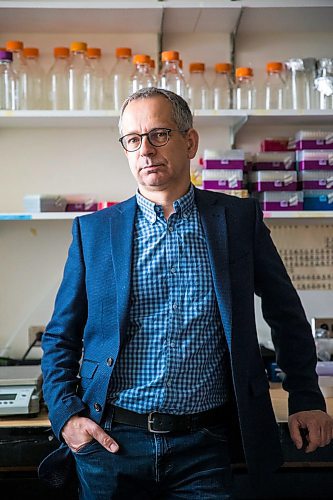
column 151, row 421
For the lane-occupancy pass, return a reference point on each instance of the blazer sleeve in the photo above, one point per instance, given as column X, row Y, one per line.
column 291, row 332
column 62, row 339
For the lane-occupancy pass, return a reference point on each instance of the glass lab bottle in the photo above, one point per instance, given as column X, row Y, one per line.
column 198, row 89
column 170, row 76
column 324, row 83
column 275, row 87
column 141, row 76
column 120, row 77
column 295, row 84
column 244, row 90
column 77, row 81
column 96, row 96
column 310, row 72
column 57, row 87
column 152, row 71
column 222, row 86
column 36, row 79
column 21, row 69
column 8, row 82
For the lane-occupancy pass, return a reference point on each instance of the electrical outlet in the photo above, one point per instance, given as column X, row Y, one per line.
column 32, row 333
column 325, row 323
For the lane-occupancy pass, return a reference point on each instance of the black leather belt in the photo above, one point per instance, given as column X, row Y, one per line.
column 163, row 423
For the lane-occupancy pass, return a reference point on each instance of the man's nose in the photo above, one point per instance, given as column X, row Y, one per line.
column 146, row 149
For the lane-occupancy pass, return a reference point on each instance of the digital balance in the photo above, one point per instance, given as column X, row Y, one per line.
column 20, row 390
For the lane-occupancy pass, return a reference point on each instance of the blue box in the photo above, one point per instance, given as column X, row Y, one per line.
column 318, row 199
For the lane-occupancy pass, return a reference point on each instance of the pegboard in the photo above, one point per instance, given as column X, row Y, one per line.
column 307, row 252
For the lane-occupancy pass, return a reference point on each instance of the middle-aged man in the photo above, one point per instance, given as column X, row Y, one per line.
column 159, row 292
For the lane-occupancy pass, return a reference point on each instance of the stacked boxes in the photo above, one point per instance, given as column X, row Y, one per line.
column 225, row 171
column 274, row 178
column 314, row 158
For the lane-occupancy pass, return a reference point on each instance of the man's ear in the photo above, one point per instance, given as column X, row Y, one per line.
column 192, row 143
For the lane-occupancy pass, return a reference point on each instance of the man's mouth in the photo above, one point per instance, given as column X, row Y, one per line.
column 151, row 167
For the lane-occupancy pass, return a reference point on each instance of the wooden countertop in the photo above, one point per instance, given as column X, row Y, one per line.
column 278, row 395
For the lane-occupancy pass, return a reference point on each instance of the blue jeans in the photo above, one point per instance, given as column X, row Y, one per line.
column 187, row 466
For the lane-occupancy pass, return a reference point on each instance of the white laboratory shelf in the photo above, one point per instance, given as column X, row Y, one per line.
column 305, row 214
column 109, row 118
column 58, row 119
column 41, row 216
column 71, row 215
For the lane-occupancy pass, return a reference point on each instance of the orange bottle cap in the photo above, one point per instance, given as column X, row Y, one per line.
column 122, row 52
column 141, row 59
column 197, row 67
column 94, row 52
column 78, row 47
column 13, row 45
column 61, row 52
column 274, row 66
column 244, row 72
column 170, row 55
column 223, row 68
column 31, row 52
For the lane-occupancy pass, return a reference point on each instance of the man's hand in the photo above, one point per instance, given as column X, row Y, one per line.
column 79, row 431
column 317, row 426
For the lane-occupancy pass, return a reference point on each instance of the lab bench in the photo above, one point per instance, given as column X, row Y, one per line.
column 24, row 442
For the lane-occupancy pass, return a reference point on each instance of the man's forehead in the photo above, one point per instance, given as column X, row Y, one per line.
column 156, row 108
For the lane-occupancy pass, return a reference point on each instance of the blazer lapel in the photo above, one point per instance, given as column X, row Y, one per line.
column 122, row 229
column 213, row 219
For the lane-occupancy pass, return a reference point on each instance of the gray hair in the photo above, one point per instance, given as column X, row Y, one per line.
column 180, row 110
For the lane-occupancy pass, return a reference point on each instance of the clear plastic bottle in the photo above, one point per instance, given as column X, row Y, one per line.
column 141, row 76
column 170, row 77
column 222, row 86
column 324, row 83
column 198, row 89
column 121, row 76
column 36, row 79
column 275, row 86
column 78, row 67
column 244, row 90
column 295, row 84
column 8, row 82
column 57, row 88
column 97, row 96
column 21, row 69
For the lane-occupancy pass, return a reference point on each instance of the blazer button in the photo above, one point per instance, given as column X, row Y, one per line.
column 97, row 407
column 109, row 361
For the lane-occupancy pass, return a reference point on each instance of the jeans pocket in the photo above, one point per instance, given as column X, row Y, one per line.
column 87, row 448
column 216, row 432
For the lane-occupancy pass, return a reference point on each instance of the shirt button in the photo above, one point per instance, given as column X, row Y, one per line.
column 97, row 407
column 175, row 306
column 109, row 361
column 170, row 229
column 173, row 270
column 172, row 344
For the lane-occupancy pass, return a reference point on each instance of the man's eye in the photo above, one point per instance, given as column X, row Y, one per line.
column 159, row 135
column 134, row 139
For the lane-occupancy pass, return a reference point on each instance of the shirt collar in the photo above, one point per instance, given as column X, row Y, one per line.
column 150, row 210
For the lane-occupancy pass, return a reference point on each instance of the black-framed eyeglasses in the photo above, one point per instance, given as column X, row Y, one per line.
column 157, row 137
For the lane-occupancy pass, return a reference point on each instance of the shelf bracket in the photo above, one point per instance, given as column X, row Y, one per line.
column 234, row 129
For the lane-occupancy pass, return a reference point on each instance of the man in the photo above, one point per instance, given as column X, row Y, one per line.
column 159, row 293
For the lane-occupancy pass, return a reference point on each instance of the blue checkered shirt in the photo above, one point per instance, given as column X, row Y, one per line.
column 174, row 357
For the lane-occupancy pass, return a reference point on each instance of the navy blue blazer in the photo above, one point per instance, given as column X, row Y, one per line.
column 92, row 306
